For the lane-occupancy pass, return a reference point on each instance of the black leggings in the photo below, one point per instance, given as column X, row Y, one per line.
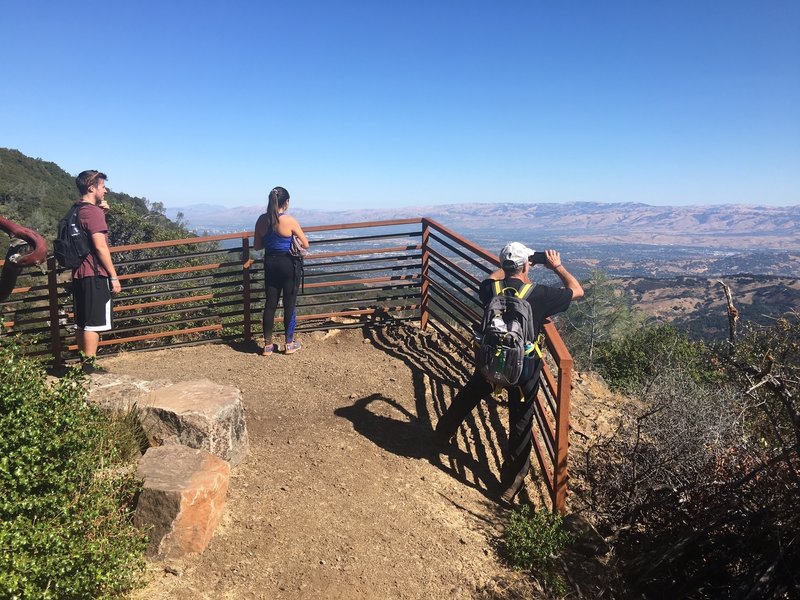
column 279, row 277
column 521, row 408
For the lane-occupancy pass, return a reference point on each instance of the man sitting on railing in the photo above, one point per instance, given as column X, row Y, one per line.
column 545, row 301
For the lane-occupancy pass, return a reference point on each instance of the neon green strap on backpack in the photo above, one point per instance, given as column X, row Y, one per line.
column 499, row 291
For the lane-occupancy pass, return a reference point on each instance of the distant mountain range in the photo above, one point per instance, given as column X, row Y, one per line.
column 729, row 226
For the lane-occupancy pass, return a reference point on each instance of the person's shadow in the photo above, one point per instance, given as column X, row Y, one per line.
column 437, row 374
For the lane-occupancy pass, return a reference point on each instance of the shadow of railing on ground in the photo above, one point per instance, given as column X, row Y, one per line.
column 437, row 376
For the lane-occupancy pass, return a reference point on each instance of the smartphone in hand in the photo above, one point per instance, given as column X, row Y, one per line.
column 537, row 258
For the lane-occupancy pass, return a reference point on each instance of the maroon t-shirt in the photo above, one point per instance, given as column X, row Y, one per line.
column 93, row 220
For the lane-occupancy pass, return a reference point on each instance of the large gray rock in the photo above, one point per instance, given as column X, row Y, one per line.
column 120, row 393
column 198, row 414
column 182, row 500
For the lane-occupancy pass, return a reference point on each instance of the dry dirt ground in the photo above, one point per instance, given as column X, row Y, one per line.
column 344, row 493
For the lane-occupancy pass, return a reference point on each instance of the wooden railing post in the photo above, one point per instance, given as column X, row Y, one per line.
column 424, row 291
column 55, row 325
column 560, row 473
column 248, row 325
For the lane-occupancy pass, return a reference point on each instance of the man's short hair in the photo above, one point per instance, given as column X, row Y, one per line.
column 87, row 179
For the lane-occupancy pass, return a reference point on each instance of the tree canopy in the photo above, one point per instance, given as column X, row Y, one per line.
column 36, row 194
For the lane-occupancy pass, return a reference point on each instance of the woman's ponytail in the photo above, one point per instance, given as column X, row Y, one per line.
column 278, row 198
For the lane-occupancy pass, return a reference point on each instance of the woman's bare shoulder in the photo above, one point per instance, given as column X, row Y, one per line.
column 289, row 220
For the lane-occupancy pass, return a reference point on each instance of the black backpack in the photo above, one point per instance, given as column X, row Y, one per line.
column 506, row 336
column 72, row 244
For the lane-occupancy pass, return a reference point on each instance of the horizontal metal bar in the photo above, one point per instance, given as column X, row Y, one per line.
column 125, row 263
column 339, row 227
column 482, row 252
column 379, row 269
column 30, row 354
column 344, row 282
column 549, row 392
column 469, row 295
column 354, row 292
column 472, row 307
column 544, row 465
column 365, row 238
column 360, row 299
column 462, row 254
column 25, row 302
column 162, row 324
column 549, row 380
column 193, row 241
column 466, row 325
column 163, row 272
column 187, row 300
column 249, row 234
column 464, row 336
column 153, row 336
column 365, row 251
column 465, row 277
column 556, row 345
column 162, row 313
column 203, row 279
column 466, row 312
column 337, row 263
column 542, row 424
column 27, row 290
column 179, row 290
column 28, row 331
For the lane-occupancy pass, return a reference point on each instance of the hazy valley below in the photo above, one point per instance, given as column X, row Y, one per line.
column 626, row 240
column 668, row 259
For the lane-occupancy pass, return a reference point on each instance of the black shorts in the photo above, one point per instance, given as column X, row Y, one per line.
column 91, row 297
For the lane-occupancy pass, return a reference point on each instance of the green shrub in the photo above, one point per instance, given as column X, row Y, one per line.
column 65, row 492
column 633, row 361
column 532, row 541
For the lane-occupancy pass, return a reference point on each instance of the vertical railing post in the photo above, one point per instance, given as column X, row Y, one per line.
column 424, row 292
column 52, row 297
column 248, row 326
column 560, row 474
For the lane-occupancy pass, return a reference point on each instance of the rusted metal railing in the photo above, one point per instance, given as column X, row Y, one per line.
column 204, row 289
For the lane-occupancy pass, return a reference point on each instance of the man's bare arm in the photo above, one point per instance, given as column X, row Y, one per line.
column 569, row 281
column 104, row 256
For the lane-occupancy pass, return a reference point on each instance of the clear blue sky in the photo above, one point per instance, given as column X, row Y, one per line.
column 364, row 104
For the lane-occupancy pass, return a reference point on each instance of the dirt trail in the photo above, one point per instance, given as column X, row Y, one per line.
column 343, row 493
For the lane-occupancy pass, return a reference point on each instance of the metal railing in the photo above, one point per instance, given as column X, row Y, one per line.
column 205, row 289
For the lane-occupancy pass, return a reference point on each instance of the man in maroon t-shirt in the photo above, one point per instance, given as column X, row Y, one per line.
column 95, row 280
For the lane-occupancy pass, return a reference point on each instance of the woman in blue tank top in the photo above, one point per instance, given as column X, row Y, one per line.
column 274, row 232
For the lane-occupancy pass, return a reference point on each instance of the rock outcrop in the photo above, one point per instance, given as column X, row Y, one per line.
column 182, row 500
column 196, row 431
column 197, row 414
column 121, row 393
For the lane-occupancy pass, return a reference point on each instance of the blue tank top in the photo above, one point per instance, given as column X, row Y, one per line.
column 275, row 243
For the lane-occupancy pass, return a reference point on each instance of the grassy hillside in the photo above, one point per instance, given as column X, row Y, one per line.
column 697, row 304
column 36, row 193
